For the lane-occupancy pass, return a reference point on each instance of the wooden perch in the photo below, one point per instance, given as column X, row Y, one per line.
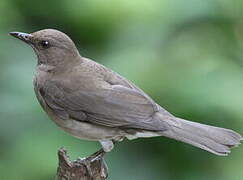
column 90, row 168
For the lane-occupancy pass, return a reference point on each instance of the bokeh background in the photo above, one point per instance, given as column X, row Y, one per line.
column 187, row 55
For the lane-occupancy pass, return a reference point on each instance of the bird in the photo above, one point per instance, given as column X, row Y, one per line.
column 92, row 102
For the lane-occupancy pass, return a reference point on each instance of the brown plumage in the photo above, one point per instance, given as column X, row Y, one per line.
column 92, row 102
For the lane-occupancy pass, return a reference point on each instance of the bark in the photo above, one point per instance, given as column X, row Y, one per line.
column 90, row 168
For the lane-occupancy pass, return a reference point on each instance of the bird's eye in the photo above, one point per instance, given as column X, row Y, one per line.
column 45, row 44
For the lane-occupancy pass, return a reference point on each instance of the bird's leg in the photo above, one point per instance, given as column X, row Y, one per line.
column 107, row 145
column 97, row 156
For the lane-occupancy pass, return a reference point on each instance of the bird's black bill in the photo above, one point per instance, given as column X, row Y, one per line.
column 22, row 36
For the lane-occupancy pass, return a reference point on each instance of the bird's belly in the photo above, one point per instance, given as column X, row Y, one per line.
column 87, row 131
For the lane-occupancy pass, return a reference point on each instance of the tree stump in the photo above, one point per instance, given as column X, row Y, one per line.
column 90, row 168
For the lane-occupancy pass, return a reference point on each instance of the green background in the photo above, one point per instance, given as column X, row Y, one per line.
column 187, row 55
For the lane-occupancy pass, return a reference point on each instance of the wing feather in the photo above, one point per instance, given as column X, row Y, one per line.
column 116, row 106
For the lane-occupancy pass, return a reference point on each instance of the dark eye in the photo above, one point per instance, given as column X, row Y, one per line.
column 45, row 44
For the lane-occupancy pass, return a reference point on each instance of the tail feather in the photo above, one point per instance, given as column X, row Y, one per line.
column 213, row 139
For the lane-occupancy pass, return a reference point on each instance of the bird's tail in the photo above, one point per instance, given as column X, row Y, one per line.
column 213, row 139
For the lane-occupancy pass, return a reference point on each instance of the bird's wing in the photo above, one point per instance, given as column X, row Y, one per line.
column 115, row 106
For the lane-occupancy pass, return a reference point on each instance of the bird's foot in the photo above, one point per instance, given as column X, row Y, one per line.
column 98, row 154
column 98, row 157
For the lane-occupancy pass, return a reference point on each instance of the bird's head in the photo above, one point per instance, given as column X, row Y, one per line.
column 52, row 47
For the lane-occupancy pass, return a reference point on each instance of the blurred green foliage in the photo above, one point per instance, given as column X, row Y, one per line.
column 187, row 55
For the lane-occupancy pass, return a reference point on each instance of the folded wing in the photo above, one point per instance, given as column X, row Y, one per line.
column 114, row 106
